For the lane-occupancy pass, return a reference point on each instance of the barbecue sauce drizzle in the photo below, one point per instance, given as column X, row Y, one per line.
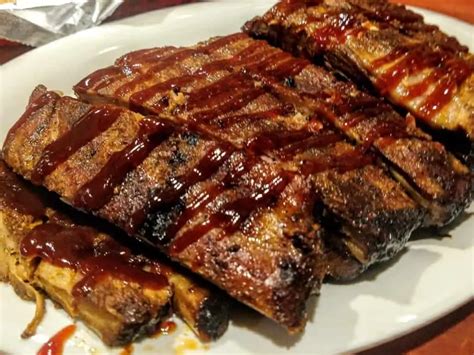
column 448, row 72
column 32, row 108
column 221, row 97
column 89, row 126
column 79, row 248
column 166, row 61
column 205, row 168
column 233, row 214
column 65, row 244
column 98, row 191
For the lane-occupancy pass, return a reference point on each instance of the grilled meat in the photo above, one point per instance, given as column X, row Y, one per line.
column 240, row 221
column 383, row 46
column 145, row 81
column 93, row 277
column 141, row 80
column 380, row 217
column 210, row 86
column 432, row 176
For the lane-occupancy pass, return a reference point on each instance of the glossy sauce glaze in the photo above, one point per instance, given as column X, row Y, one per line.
column 33, row 107
column 205, row 198
column 55, row 345
column 252, row 58
column 448, row 72
column 337, row 26
column 99, row 79
column 329, row 25
column 225, row 95
column 78, row 248
column 230, row 216
column 89, row 126
column 363, row 117
column 98, row 191
column 16, row 194
column 164, row 63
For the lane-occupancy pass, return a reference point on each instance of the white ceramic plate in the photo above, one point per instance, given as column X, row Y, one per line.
column 431, row 278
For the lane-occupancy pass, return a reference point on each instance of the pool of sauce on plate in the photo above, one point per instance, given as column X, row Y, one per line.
column 55, row 345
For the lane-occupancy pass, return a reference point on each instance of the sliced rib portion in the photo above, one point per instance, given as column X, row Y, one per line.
column 384, row 46
column 241, row 222
column 431, row 175
column 49, row 248
column 155, row 81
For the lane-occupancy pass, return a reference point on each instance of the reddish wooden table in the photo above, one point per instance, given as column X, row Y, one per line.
column 452, row 334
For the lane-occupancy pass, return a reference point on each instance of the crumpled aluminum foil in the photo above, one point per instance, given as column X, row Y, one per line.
column 35, row 23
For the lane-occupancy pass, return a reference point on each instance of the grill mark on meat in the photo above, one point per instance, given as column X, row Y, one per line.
column 164, row 63
column 211, row 94
column 98, row 191
column 73, row 247
column 138, row 98
column 92, row 124
column 229, row 120
column 230, row 93
column 141, row 97
column 349, row 113
column 251, row 52
column 205, row 168
column 278, row 62
column 199, row 203
column 286, row 144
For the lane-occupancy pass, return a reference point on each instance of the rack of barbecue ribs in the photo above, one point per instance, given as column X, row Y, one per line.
column 256, row 170
column 244, row 224
column 384, row 47
column 46, row 248
column 143, row 80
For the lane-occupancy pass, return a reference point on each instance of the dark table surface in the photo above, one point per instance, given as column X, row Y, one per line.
column 452, row 334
